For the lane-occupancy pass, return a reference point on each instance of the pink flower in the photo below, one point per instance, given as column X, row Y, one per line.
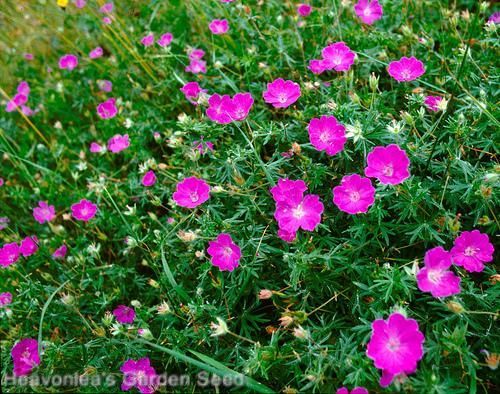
column 368, row 11
column 191, row 91
column 304, row 10
column 432, row 103
column 17, row 101
column 203, row 146
column 406, row 69
column 240, row 106
column 471, row 250
column 96, row 148
column 396, row 346
column 29, row 56
column 224, row 253
column 338, row 56
column 219, row 26
column 83, row 210
column 124, row 314
column 106, row 8
column 23, row 88
column 355, row 390
column 286, row 236
column 44, row 212
column 60, row 252
column 388, row 164
column 5, row 299
column 226, row 1
column 106, row 20
column 317, row 66
column 436, row 277
column 68, row 62
column 1, row 182
column 25, row 356
column 288, row 190
column 148, row 40
column 165, row 40
column 105, row 85
column 107, row 109
column 196, row 54
column 281, row 93
column 96, row 53
column 80, row 3
column 196, row 66
column 219, row 108
column 139, row 374
column 149, row 179
column 327, row 134
column 191, row 192
column 118, row 142
column 354, row 195
column 29, row 246
column 292, row 215
column 9, row 254
column 494, row 18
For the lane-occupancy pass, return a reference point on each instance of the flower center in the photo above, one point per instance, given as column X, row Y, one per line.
column 388, row 170
column 470, row 251
column 354, row 196
column 393, row 344
column 367, row 11
column 435, row 276
column 298, row 212
column 227, row 251
column 194, row 197
column 406, row 74
column 323, row 137
column 282, row 98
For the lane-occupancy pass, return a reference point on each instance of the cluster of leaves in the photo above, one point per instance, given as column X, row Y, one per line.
column 333, row 282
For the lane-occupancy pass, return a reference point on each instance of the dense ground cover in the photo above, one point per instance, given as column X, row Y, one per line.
column 133, row 261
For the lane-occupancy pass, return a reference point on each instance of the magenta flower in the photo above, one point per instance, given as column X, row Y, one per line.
column 436, row 277
column 165, row 40
column 192, row 91
column 96, row 148
column 406, row 69
column 368, row 11
column 29, row 56
column 327, row 134
column 305, row 214
column 196, row 54
column 281, row 93
column 355, row 390
column 148, row 40
column 106, row 20
column 354, row 195
column 29, row 246
column 107, row 109
column 304, row 10
column 106, row 8
column 9, row 254
column 1, row 182
column 25, row 356
column 396, row 346
column 68, row 62
column 17, row 101
column 44, row 212
column 288, row 190
column 197, row 66
column 389, row 164
column 494, row 18
column 219, row 26
column 338, row 56
column 191, row 192
column 224, row 253
column 5, row 299
column 105, row 85
column 432, row 103
column 286, row 236
column 23, row 88
column 80, row 3
column 139, row 374
column 124, row 314
column 471, row 250
column 118, row 142
column 96, row 53
column 317, row 66
column 203, row 146
column 149, row 178
column 84, row 210
column 219, row 108
column 240, row 106
column 60, row 252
